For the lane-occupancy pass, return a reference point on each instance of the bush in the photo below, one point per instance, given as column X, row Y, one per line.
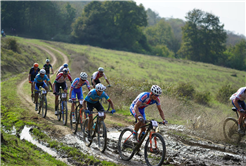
column 224, row 93
column 11, row 44
column 184, row 90
column 202, row 97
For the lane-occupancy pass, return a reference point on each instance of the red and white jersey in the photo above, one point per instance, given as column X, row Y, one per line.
column 240, row 94
column 96, row 75
column 60, row 78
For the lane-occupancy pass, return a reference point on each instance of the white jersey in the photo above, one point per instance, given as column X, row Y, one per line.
column 240, row 94
column 61, row 68
column 96, row 75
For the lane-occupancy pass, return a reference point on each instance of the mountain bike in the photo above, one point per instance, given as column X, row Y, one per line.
column 154, row 149
column 80, row 117
column 42, row 101
column 230, row 128
column 105, row 103
column 98, row 130
column 62, row 106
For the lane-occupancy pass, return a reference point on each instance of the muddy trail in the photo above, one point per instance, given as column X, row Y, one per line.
column 179, row 150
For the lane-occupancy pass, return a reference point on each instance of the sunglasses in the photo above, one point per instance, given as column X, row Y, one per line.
column 157, row 95
column 83, row 80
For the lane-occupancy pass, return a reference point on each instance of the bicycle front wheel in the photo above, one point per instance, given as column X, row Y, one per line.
column 59, row 107
column 155, row 150
column 64, row 112
column 101, row 136
column 73, row 125
column 125, row 145
column 44, row 106
column 39, row 103
column 230, row 128
column 85, row 133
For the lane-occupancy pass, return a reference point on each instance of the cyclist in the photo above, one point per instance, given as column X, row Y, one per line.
column 96, row 75
column 32, row 74
column 76, row 88
column 137, row 109
column 47, row 67
column 65, row 65
column 238, row 102
column 92, row 100
column 40, row 81
column 60, row 81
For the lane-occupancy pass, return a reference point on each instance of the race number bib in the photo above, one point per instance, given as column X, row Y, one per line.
column 43, row 91
column 154, row 123
column 64, row 95
column 100, row 113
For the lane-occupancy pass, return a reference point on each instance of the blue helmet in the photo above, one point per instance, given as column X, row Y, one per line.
column 65, row 65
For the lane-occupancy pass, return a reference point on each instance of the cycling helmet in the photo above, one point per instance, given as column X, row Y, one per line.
column 35, row 65
column 47, row 60
column 156, row 90
column 100, row 87
column 65, row 71
column 100, row 69
column 42, row 71
column 83, row 75
column 65, row 65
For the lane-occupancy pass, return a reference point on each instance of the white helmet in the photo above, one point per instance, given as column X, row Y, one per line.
column 100, row 69
column 100, row 87
column 42, row 71
column 83, row 75
column 47, row 60
column 156, row 90
column 65, row 71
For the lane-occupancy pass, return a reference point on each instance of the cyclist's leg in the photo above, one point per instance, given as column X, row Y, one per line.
column 32, row 86
column 240, row 119
column 73, row 97
column 90, row 107
column 99, row 107
column 139, row 123
column 45, row 86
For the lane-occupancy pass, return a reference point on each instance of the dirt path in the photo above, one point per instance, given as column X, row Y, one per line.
column 51, row 117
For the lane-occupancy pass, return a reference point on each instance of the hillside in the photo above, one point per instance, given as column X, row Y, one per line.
column 129, row 74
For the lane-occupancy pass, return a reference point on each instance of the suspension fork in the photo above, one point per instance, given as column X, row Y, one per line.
column 150, row 140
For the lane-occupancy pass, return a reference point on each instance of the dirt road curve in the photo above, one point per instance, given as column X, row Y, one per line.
column 51, row 118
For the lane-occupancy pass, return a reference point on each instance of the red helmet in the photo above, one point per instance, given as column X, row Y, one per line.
column 35, row 65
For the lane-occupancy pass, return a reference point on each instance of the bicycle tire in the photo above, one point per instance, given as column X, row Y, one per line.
column 85, row 138
column 59, row 108
column 80, row 120
column 101, row 136
column 73, row 125
column 230, row 128
column 39, row 103
column 159, row 150
column 64, row 113
column 105, row 104
column 125, row 146
column 44, row 106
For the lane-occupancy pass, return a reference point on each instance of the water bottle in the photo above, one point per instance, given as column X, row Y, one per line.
column 94, row 126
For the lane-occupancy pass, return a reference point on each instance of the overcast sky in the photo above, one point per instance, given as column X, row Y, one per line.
column 231, row 13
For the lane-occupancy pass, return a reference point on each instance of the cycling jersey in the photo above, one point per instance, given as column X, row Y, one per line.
column 240, row 94
column 61, row 68
column 76, row 85
column 60, row 78
column 145, row 101
column 96, row 75
column 47, row 68
column 33, row 73
column 92, row 96
column 39, row 79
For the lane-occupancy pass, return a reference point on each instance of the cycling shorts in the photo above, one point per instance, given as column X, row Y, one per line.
column 37, row 85
column 57, row 86
column 96, row 81
column 97, row 105
column 241, row 104
column 79, row 93
column 141, row 110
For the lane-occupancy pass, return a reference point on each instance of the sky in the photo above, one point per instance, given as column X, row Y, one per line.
column 231, row 13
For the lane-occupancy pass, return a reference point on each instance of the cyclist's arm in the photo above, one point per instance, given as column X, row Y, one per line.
column 111, row 103
column 70, row 92
column 94, row 84
column 136, row 108
column 235, row 101
column 29, row 77
column 107, row 81
column 161, row 112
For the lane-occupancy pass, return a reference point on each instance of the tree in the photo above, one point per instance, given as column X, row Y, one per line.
column 111, row 24
column 203, row 37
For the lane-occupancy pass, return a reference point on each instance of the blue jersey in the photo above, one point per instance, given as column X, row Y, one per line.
column 39, row 79
column 75, row 84
column 145, row 100
column 92, row 96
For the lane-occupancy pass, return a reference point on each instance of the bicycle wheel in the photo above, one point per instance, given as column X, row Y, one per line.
column 73, row 125
column 125, row 145
column 39, row 103
column 105, row 104
column 85, row 133
column 230, row 128
column 101, row 136
column 80, row 119
column 59, row 108
column 64, row 112
column 44, row 106
column 155, row 150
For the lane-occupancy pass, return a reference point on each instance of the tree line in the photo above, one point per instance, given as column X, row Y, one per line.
column 123, row 25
